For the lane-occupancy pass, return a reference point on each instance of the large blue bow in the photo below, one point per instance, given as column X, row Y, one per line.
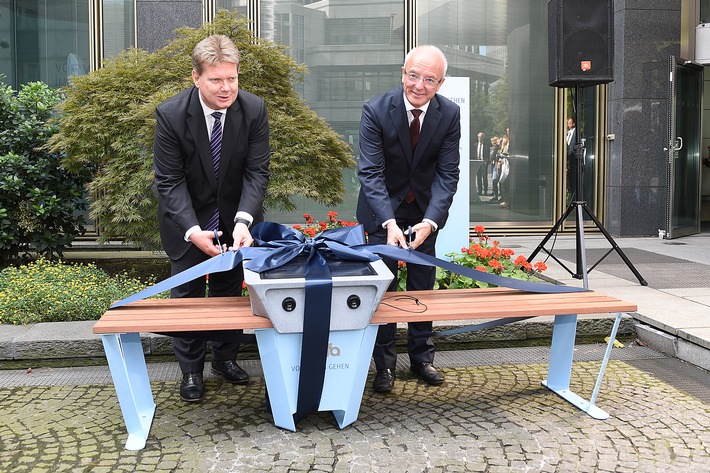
column 287, row 243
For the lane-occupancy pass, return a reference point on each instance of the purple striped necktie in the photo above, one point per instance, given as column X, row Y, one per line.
column 216, row 148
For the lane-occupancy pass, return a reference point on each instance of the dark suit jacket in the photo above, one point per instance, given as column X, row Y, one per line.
column 486, row 150
column 386, row 168
column 183, row 166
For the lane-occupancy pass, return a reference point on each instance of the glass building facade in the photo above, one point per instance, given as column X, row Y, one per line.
column 354, row 50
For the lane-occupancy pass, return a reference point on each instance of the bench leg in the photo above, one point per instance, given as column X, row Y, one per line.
column 124, row 353
column 560, row 368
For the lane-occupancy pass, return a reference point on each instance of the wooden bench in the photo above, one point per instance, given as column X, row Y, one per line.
column 120, row 329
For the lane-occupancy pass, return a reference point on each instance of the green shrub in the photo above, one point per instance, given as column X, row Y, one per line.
column 40, row 202
column 108, row 122
column 51, row 291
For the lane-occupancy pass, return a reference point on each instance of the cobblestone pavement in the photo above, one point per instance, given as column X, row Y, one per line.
column 484, row 418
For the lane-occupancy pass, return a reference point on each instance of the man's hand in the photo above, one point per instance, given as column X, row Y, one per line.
column 422, row 231
column 242, row 236
column 204, row 240
column 395, row 236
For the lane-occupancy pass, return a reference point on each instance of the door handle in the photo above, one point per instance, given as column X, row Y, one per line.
column 678, row 144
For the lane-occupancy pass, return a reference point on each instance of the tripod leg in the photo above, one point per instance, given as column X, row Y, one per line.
column 616, row 248
column 559, row 222
column 581, row 253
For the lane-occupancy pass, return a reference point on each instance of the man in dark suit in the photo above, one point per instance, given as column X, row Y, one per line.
column 211, row 171
column 571, row 141
column 409, row 183
column 483, row 152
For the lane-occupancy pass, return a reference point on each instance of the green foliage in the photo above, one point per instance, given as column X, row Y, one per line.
column 108, row 123
column 39, row 199
column 46, row 291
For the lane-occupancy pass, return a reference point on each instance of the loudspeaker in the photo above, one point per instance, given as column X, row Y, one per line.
column 580, row 42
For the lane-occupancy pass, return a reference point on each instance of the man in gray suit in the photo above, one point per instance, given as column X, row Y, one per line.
column 211, row 171
column 408, row 171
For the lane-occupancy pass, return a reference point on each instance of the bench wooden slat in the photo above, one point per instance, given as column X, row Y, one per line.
column 232, row 313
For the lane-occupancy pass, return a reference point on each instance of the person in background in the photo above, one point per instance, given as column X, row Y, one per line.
column 211, row 170
column 571, row 140
column 408, row 171
column 482, row 154
column 503, row 173
column 493, row 160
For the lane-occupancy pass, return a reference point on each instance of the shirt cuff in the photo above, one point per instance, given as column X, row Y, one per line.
column 190, row 231
column 245, row 215
column 387, row 222
column 434, row 226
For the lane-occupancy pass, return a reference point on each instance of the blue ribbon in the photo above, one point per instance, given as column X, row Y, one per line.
column 278, row 244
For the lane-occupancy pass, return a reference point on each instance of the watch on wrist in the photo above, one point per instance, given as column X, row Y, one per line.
column 242, row 220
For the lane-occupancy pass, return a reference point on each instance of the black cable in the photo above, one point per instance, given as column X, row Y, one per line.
column 417, row 302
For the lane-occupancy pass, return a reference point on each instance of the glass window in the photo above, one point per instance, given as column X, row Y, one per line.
column 353, row 51
column 704, row 11
column 119, row 26
column 501, row 45
column 585, row 132
column 46, row 41
column 232, row 5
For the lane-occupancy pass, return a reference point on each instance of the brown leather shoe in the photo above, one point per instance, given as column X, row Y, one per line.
column 384, row 381
column 192, row 387
column 427, row 373
column 230, row 371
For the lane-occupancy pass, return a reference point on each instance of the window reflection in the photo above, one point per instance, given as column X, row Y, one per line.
column 46, row 41
column 585, row 125
column 502, row 46
column 232, row 5
column 119, row 26
column 354, row 51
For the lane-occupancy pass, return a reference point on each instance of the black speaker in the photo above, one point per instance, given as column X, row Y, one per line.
column 580, row 42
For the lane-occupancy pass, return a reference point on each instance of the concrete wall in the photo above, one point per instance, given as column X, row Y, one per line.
column 646, row 34
column 158, row 19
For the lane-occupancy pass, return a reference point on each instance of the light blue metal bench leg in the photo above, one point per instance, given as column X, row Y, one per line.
column 560, row 369
column 130, row 378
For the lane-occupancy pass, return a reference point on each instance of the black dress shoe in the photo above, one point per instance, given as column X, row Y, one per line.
column 427, row 373
column 384, row 381
column 230, row 371
column 192, row 387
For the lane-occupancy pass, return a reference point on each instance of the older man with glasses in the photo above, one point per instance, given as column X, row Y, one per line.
column 408, row 171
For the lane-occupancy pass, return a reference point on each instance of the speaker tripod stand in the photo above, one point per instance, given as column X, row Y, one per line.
column 579, row 206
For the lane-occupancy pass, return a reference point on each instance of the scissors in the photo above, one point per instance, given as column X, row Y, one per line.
column 216, row 237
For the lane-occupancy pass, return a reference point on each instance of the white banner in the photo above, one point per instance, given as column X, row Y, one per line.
column 454, row 235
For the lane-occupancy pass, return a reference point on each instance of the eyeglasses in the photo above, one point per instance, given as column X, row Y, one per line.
column 427, row 81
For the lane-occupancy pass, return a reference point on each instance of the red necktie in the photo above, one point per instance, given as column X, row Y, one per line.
column 414, row 128
column 414, row 134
